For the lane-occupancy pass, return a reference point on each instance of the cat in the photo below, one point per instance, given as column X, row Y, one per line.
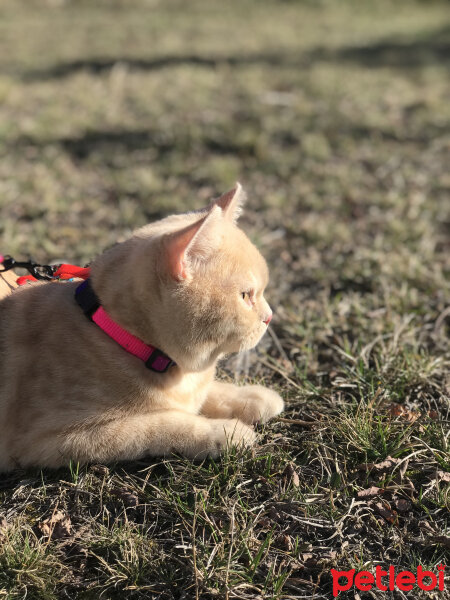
column 190, row 285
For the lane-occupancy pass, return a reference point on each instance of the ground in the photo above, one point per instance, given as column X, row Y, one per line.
column 334, row 116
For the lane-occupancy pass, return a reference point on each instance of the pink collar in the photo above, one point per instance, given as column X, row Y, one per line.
column 154, row 359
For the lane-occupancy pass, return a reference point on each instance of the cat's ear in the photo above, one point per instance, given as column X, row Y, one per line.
column 231, row 202
column 192, row 244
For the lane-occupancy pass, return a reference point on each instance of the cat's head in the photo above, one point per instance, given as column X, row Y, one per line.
column 197, row 285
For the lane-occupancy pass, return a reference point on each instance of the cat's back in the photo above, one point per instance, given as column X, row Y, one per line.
column 19, row 337
column 48, row 348
column 26, row 315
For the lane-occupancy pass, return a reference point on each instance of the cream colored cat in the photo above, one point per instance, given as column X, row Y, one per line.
column 190, row 285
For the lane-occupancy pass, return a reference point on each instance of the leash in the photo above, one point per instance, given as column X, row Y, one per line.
column 38, row 272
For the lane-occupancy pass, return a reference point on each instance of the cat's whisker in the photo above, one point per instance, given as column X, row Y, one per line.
column 243, row 364
column 276, row 341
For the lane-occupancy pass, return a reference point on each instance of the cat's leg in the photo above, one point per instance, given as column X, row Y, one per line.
column 154, row 434
column 249, row 403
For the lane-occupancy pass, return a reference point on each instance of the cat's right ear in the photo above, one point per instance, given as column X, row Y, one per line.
column 193, row 243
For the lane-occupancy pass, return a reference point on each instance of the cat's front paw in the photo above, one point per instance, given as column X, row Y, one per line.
column 257, row 404
column 225, row 433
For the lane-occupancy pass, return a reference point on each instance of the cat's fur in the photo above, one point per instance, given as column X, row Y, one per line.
column 68, row 392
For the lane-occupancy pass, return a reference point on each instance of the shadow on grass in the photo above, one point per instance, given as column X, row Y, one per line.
column 395, row 53
column 434, row 48
column 112, row 144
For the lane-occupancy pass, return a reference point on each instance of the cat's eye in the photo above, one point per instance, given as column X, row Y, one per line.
column 247, row 297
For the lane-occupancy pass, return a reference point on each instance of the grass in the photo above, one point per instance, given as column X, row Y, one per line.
column 335, row 118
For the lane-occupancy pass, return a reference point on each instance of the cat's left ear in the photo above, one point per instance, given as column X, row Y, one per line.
column 186, row 248
column 231, row 202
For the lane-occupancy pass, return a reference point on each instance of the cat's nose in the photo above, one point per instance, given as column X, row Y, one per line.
column 268, row 319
